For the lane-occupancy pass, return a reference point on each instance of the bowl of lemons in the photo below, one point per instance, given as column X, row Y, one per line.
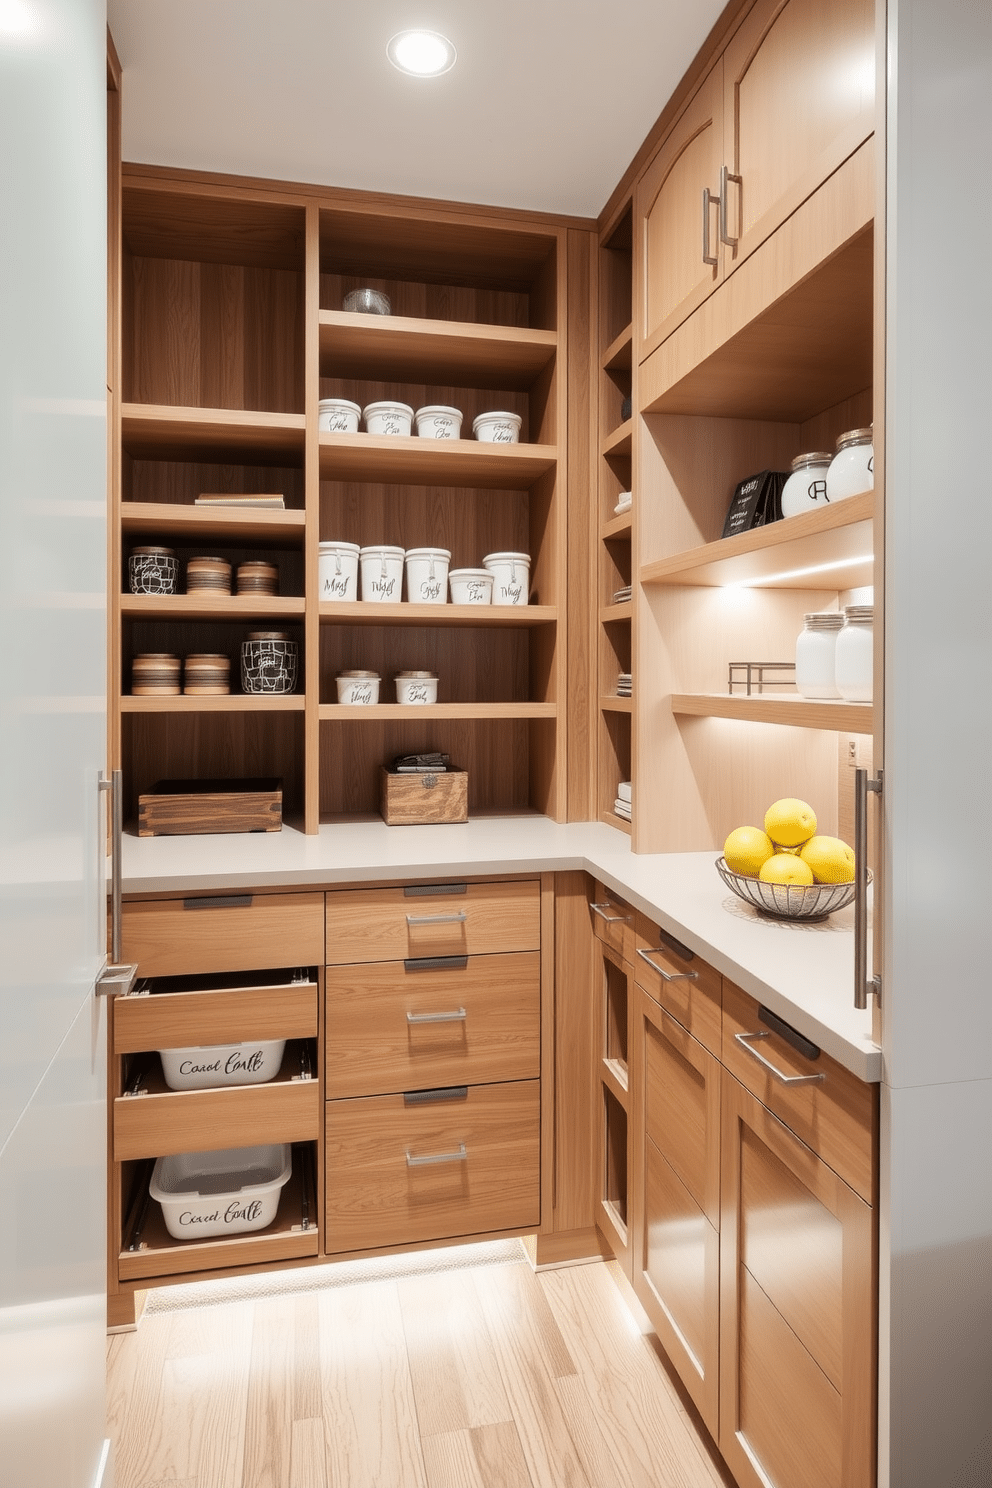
column 785, row 869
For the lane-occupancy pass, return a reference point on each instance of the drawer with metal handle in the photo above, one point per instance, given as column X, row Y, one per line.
column 612, row 919
column 428, row 1021
column 223, row 932
column 172, row 1012
column 679, row 980
column 432, row 1164
column 441, row 919
column 827, row 1107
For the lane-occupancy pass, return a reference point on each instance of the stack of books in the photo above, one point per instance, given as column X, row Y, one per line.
column 624, row 501
column 622, row 803
column 622, row 596
column 625, row 686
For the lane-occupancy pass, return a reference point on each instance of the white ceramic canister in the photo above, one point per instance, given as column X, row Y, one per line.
column 427, row 575
column 854, row 663
column 337, row 570
column 382, row 574
column 388, row 418
column 511, row 577
column 497, row 428
column 437, row 421
column 415, row 689
column 471, row 586
column 360, row 688
column 338, row 416
column 806, row 487
column 815, row 655
column 852, row 469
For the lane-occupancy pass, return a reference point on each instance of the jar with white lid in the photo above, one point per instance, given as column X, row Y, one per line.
column 806, row 487
column 855, row 657
column 852, row 469
column 816, row 655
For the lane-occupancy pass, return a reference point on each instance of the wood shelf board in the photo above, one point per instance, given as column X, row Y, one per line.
column 620, row 441
column 808, row 351
column 621, row 526
column 451, row 353
column 237, row 702
column 614, row 1076
column 228, row 524
column 610, row 819
column 158, row 431
column 799, row 712
column 835, row 534
column 382, row 712
column 234, row 607
column 613, row 614
column 610, row 703
column 433, row 462
column 618, row 356
column 161, row 220
column 473, row 616
column 384, row 238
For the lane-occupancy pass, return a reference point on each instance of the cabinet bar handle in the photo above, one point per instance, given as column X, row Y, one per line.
column 435, row 963
column 725, row 177
column 432, row 1097
column 437, row 1157
column 219, row 901
column 448, row 919
column 424, row 891
column 610, row 919
column 744, row 1039
column 666, row 976
column 708, row 258
column 863, row 983
column 458, row 1016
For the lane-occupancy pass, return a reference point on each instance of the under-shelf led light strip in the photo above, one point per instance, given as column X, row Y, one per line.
column 799, row 573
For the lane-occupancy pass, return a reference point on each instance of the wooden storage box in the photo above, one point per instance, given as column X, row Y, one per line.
column 418, row 800
column 183, row 808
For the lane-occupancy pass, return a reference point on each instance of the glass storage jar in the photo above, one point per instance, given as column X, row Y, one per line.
column 852, row 469
column 806, row 487
column 854, row 661
column 816, row 655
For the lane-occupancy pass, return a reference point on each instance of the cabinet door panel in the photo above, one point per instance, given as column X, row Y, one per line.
column 799, row 95
column 681, row 1250
column 669, row 270
column 682, row 1109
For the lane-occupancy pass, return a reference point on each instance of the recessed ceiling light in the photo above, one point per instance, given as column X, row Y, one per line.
column 421, row 53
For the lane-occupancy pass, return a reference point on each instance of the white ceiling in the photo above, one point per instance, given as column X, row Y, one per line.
column 544, row 109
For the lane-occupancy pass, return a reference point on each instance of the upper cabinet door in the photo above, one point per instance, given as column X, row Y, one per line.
column 799, row 98
column 675, row 235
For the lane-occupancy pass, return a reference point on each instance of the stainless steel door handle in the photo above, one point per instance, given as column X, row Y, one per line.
column 708, row 258
column 437, row 1157
column 458, row 1016
column 445, row 919
column 863, row 983
column 744, row 1039
column 115, row 979
column 610, row 919
column 666, row 976
column 726, row 176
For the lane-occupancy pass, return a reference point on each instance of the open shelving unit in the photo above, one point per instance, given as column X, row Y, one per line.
column 232, row 331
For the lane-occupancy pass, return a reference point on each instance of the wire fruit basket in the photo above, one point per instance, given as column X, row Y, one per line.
column 787, row 901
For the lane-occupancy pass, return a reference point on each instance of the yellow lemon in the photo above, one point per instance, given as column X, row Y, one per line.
column 831, row 860
column 790, row 822
column 746, row 849
column 783, row 868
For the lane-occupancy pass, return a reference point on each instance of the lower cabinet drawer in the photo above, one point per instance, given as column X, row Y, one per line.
column 473, row 919
column 160, row 1121
column 395, row 1026
column 398, row 1173
column 184, row 1012
column 223, row 932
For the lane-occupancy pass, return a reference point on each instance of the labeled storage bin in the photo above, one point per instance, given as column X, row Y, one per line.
column 382, row 574
column 511, row 577
column 427, row 575
column 497, row 428
column 232, row 1191
column 438, row 421
column 205, row 1066
column 388, row 418
column 338, row 416
column 337, row 570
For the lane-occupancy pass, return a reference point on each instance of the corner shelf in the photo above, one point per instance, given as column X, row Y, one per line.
column 395, row 459
column 619, row 355
column 831, row 544
column 620, row 441
column 613, row 704
column 462, row 354
column 517, row 617
column 453, row 712
column 610, row 819
column 614, row 613
column 621, row 526
column 799, row 712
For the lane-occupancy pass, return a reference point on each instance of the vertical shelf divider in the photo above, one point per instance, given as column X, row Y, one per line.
column 311, row 488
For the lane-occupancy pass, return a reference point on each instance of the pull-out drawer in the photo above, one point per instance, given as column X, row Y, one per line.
column 157, row 1121
column 432, row 920
column 612, row 920
column 834, row 1113
column 395, row 1026
column 179, row 1011
column 223, row 932
column 399, row 1173
column 679, row 981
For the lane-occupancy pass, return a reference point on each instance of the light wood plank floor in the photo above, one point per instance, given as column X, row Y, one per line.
column 489, row 1377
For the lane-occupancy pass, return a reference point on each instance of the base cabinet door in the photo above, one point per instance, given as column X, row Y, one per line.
column 797, row 1376
column 676, row 1262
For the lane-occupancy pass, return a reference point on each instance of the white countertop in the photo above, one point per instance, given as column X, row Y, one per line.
column 803, row 972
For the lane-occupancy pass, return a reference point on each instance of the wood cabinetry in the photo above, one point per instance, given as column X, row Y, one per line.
column 232, row 332
column 613, row 978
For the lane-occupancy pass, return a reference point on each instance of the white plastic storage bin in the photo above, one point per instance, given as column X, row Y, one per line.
column 229, row 1192
column 201, row 1067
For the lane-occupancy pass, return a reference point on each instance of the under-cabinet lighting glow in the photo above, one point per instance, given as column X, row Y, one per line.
column 16, row 18
column 800, row 573
column 421, row 53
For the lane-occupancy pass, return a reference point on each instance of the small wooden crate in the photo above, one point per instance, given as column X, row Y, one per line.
column 420, row 800
column 186, row 808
